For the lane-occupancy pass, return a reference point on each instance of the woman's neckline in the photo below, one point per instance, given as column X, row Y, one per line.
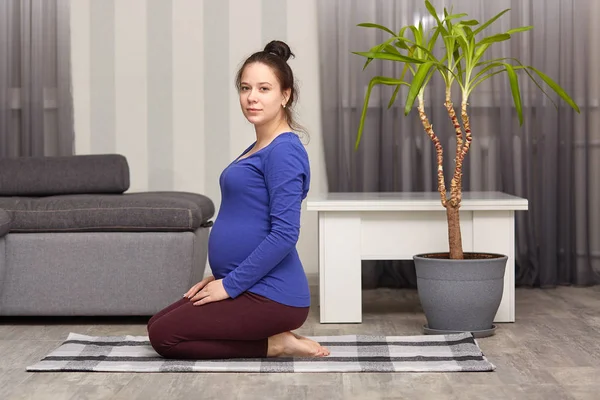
column 243, row 156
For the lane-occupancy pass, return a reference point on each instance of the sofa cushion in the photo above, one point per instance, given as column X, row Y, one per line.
column 148, row 211
column 5, row 218
column 81, row 174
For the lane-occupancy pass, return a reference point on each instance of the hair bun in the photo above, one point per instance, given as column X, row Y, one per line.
column 280, row 49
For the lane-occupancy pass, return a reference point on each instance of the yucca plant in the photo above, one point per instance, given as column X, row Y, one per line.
column 462, row 63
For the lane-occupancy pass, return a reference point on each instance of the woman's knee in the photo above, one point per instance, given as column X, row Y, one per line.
column 161, row 338
column 151, row 321
column 300, row 318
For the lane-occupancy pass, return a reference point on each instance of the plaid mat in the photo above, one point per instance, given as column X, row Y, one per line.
column 350, row 353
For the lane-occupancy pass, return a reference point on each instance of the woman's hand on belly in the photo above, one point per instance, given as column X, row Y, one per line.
column 213, row 291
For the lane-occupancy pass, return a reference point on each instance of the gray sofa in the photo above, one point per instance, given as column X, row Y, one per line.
column 72, row 242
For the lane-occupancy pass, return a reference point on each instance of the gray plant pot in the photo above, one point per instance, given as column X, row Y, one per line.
column 460, row 295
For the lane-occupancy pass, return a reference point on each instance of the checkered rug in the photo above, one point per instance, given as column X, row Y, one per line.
column 350, row 353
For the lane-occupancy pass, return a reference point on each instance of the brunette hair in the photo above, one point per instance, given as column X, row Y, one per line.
column 275, row 55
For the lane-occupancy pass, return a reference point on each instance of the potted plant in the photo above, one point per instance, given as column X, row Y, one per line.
column 459, row 291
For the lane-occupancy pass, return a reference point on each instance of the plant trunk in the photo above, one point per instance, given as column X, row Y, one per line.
column 438, row 150
column 462, row 147
column 454, row 235
column 455, row 183
column 465, row 149
column 453, row 207
column 452, row 211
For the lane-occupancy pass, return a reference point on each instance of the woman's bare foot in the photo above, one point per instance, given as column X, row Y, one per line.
column 286, row 344
column 323, row 350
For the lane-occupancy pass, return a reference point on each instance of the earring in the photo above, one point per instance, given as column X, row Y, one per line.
column 283, row 105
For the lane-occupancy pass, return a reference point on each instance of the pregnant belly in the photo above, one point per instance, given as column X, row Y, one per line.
column 231, row 243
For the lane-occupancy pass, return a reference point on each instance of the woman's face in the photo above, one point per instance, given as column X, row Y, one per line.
column 261, row 97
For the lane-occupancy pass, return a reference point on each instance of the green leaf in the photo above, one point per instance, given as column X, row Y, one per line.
column 477, row 80
column 411, row 51
column 416, row 33
column 535, row 82
column 404, row 70
column 401, row 44
column 391, row 49
column 417, row 83
column 432, row 11
column 444, row 68
column 477, row 83
column 466, row 48
column 376, row 80
column 447, row 20
column 433, row 40
column 521, row 29
column 458, row 30
column 480, row 63
column 376, row 49
column 500, row 37
column 486, row 69
column 449, row 42
column 423, row 48
column 554, row 86
column 393, row 98
column 428, row 78
column 469, row 32
column 455, row 16
column 514, row 88
column 470, row 22
column 488, row 23
column 479, row 52
column 458, row 64
column 524, row 68
column 388, row 56
column 544, row 77
column 383, row 28
column 463, row 41
column 403, row 30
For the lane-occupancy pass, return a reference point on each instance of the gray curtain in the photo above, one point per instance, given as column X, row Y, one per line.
column 35, row 81
column 553, row 160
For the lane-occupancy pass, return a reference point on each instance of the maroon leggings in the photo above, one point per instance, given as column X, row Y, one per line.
column 231, row 328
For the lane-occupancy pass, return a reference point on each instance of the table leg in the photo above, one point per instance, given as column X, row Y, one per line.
column 340, row 267
column 494, row 231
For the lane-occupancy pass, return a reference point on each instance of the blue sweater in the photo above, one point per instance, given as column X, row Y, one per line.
column 252, row 244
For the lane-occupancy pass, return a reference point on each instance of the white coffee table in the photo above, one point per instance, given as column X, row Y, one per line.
column 396, row 226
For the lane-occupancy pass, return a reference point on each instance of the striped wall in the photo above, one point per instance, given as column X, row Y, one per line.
column 153, row 80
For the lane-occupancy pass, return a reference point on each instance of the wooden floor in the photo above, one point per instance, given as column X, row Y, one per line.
column 551, row 352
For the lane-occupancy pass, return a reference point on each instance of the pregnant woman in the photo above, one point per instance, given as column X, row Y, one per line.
column 259, row 292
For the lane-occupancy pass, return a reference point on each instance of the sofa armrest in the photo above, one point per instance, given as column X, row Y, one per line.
column 5, row 220
column 48, row 176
